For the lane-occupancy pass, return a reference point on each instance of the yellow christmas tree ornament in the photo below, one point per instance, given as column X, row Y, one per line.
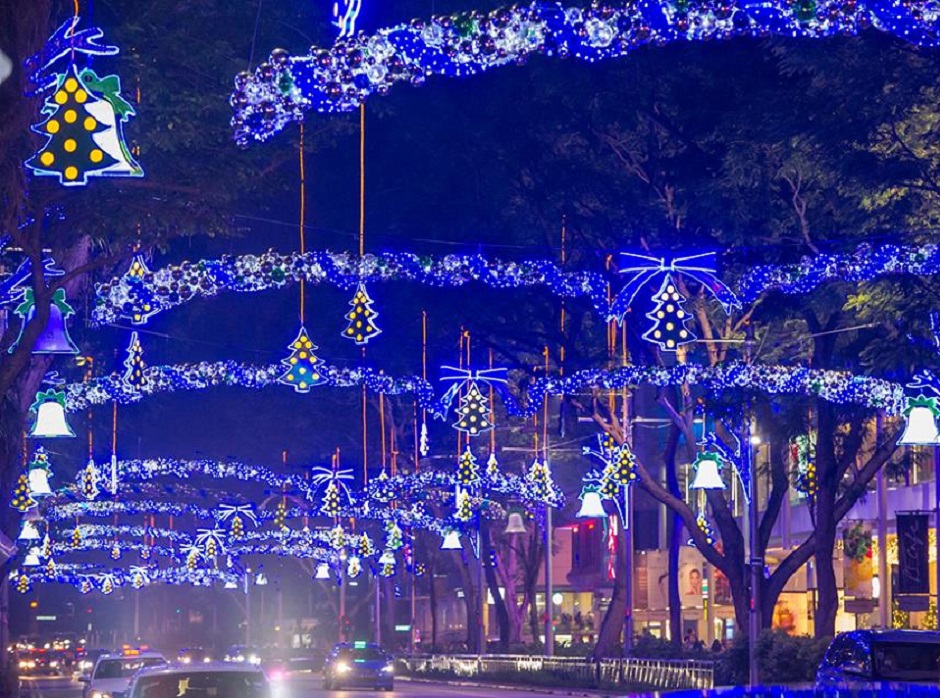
column 361, row 327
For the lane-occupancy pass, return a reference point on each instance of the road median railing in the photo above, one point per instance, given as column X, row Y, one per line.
column 653, row 674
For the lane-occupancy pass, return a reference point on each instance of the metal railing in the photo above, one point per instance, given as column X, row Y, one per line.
column 659, row 674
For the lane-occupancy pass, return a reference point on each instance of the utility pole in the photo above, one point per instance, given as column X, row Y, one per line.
column 481, row 639
column 247, row 589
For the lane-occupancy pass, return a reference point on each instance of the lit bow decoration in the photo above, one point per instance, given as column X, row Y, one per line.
column 227, row 511
column 65, row 41
column 13, row 287
column 206, row 537
column 322, row 476
column 642, row 269
column 925, row 381
column 496, row 378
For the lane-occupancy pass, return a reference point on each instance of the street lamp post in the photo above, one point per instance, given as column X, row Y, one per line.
column 628, row 564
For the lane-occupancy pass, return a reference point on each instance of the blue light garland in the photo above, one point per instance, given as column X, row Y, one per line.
column 175, row 285
column 864, row 264
column 841, row 387
column 339, row 78
column 172, row 286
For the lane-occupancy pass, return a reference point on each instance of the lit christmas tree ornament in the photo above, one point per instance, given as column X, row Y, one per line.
column 463, row 504
column 140, row 299
column 468, row 472
column 21, row 501
column 473, row 412
column 23, row 584
column 330, row 504
column 702, row 523
column 84, row 113
column 669, row 317
column 116, row 551
column 353, row 566
column 492, row 467
column 134, row 365
column 76, row 537
column 304, row 368
column 539, row 478
column 90, row 481
column 337, row 537
column 387, row 561
column 361, row 318
column 366, row 546
column 394, row 539
column 280, row 516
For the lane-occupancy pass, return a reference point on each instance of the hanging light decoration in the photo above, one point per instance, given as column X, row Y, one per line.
column 50, row 423
column 515, row 525
column 592, row 507
column 32, row 558
column 921, row 428
column 707, row 472
column 451, row 541
column 323, row 571
column 28, row 532
column 39, row 474
column 54, row 338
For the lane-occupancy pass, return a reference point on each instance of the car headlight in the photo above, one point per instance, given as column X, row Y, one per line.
column 187, row 660
column 53, row 664
column 206, row 660
column 254, row 659
column 342, row 668
column 31, row 664
column 388, row 668
column 99, row 694
column 23, row 664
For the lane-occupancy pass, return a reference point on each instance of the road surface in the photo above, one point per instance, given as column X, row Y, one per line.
column 308, row 686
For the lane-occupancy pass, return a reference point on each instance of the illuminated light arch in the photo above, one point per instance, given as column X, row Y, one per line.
column 339, row 78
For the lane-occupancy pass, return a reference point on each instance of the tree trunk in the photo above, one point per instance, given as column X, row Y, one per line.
column 470, row 600
column 826, row 493
column 502, row 614
column 608, row 637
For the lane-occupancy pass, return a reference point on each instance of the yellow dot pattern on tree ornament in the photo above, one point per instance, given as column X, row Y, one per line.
column 71, row 92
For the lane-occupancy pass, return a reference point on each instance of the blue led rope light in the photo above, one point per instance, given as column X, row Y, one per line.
column 174, row 285
column 839, row 387
column 864, row 264
column 339, row 78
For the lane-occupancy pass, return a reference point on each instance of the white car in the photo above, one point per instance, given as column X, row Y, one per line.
column 113, row 672
column 220, row 679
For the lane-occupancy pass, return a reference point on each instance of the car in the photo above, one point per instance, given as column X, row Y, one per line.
column 112, row 672
column 358, row 665
column 243, row 653
column 216, row 679
column 193, row 655
column 880, row 659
